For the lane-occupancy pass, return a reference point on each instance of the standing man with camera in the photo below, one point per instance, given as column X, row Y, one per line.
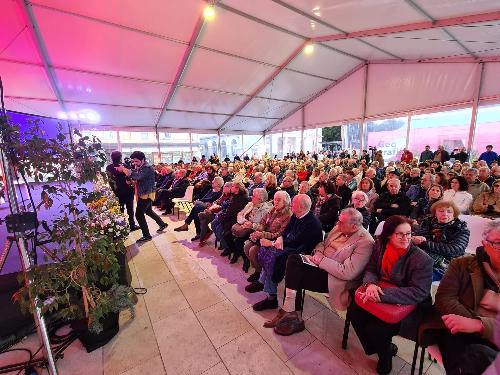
column 123, row 187
column 144, row 175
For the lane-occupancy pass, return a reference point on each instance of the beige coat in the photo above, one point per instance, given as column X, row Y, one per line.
column 345, row 267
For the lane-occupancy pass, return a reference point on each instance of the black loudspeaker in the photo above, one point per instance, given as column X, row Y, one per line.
column 14, row 325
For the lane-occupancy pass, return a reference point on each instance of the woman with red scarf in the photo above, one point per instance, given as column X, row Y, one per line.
column 397, row 261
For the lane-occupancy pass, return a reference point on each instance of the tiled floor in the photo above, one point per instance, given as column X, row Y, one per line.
column 196, row 318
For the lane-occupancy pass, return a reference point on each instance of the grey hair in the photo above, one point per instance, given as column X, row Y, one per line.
column 395, row 180
column 261, row 193
column 361, row 193
column 355, row 217
column 492, row 226
column 484, row 169
column 304, row 200
column 257, row 174
column 228, row 184
column 219, row 180
column 283, row 195
column 473, row 170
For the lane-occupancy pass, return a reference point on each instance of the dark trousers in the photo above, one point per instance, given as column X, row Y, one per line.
column 465, row 353
column 301, row 276
column 193, row 215
column 144, row 207
column 166, row 197
column 128, row 202
column 375, row 335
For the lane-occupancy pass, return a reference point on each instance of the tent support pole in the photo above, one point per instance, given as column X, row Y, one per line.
column 302, row 129
column 408, row 129
column 475, row 104
column 362, row 123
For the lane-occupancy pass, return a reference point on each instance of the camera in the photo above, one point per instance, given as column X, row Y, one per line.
column 127, row 163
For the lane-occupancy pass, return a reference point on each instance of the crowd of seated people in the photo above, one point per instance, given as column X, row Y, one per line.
column 311, row 220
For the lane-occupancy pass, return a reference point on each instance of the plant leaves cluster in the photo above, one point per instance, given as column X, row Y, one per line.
column 88, row 228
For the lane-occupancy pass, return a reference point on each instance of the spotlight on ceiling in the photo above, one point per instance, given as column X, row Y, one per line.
column 62, row 115
column 209, row 12
column 73, row 116
column 309, row 49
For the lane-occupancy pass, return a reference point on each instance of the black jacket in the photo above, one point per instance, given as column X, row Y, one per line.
column 119, row 182
column 422, row 210
column 329, row 213
column 345, row 195
column 444, row 240
column 385, row 201
column 178, row 187
column 299, row 236
column 229, row 215
column 426, row 155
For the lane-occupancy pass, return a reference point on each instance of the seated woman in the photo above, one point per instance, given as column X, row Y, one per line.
column 247, row 221
column 442, row 179
column 396, row 260
column 366, row 185
column 270, row 227
column 468, row 300
column 394, row 202
column 271, row 185
column 201, row 204
column 359, row 201
column 422, row 210
column 458, row 194
column 327, row 206
column 205, row 217
column 341, row 259
column 443, row 236
column 488, row 203
column 226, row 218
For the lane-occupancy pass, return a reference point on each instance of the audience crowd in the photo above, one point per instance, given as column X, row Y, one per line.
column 333, row 223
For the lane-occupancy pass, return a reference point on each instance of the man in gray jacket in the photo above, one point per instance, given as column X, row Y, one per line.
column 335, row 267
column 144, row 176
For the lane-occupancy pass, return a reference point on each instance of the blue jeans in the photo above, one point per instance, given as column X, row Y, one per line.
column 218, row 229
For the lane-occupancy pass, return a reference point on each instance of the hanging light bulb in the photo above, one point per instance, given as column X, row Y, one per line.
column 209, row 12
column 309, row 48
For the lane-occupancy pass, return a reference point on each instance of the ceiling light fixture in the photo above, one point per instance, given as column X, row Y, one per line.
column 62, row 115
column 209, row 12
column 309, row 49
column 73, row 116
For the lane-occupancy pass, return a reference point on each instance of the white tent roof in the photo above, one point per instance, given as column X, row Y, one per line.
column 158, row 63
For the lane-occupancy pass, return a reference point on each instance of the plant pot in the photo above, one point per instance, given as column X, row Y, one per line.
column 92, row 341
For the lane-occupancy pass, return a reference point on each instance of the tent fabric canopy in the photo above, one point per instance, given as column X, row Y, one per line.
column 160, row 64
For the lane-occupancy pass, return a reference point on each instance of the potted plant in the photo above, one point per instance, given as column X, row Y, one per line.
column 81, row 278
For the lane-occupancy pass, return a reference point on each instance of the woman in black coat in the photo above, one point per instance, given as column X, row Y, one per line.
column 443, row 236
column 327, row 206
column 394, row 202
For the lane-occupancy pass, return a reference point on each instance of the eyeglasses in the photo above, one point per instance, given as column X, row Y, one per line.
column 494, row 244
column 400, row 236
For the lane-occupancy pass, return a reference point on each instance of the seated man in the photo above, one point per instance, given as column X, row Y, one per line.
column 201, row 204
column 176, row 190
column 468, row 300
column 419, row 191
column 301, row 235
column 287, row 185
column 336, row 266
column 394, row 202
column 258, row 183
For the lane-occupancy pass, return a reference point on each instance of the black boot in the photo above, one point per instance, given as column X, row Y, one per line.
column 225, row 253
column 384, row 365
column 246, row 264
column 234, row 258
column 254, row 277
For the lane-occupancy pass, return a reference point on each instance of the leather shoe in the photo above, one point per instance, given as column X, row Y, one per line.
column 207, row 235
column 274, row 321
column 234, row 258
column 254, row 277
column 290, row 325
column 254, row 287
column 162, row 228
column 266, row 304
column 134, row 228
column 225, row 253
column 144, row 239
column 182, row 228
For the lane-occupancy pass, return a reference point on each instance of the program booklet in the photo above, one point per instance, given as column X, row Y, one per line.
column 306, row 260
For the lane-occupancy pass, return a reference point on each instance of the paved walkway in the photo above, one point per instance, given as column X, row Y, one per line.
column 196, row 318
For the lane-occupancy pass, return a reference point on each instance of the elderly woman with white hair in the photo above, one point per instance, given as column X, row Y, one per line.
column 359, row 201
column 468, row 299
column 270, row 227
column 247, row 221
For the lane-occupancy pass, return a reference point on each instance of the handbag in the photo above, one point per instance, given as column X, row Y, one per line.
column 239, row 231
column 387, row 312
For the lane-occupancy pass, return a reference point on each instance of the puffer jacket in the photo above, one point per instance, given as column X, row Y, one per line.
column 385, row 201
column 443, row 241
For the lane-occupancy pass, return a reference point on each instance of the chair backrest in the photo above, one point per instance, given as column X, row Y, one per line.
column 476, row 226
column 379, row 229
column 189, row 193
